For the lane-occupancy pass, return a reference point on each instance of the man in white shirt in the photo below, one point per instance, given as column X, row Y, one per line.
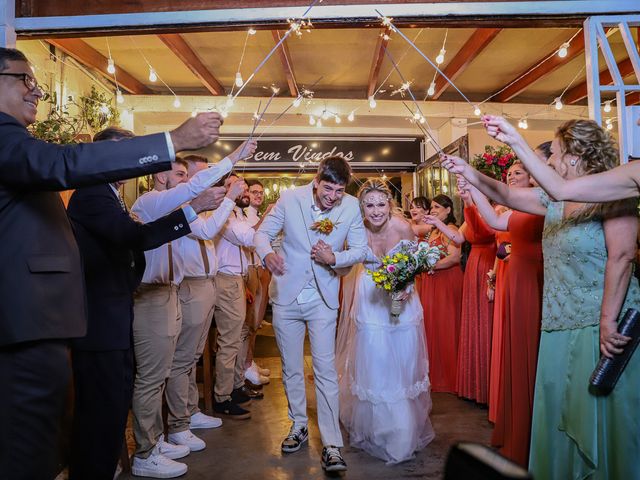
column 157, row 318
column 258, row 279
column 230, row 309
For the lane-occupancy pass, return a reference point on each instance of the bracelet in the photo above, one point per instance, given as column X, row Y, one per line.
column 491, row 279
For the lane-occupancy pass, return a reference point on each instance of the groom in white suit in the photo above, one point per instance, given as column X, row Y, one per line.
column 304, row 293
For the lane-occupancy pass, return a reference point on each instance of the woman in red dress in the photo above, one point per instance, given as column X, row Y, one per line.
column 476, row 318
column 521, row 325
column 441, row 296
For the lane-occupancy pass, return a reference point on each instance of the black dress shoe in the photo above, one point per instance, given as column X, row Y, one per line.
column 231, row 410
column 240, row 397
column 252, row 393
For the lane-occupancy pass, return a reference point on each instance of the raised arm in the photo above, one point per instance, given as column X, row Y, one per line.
column 522, row 199
column 617, row 184
column 497, row 221
column 453, row 234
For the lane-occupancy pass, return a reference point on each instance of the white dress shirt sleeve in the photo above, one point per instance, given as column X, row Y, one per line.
column 168, row 200
column 238, row 233
column 208, row 227
column 170, row 147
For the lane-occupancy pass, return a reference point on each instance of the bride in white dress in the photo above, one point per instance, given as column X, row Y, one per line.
column 382, row 364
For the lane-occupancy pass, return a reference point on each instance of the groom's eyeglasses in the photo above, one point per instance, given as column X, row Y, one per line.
column 29, row 82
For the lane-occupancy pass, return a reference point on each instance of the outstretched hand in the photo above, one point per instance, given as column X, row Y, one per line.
column 498, row 128
column 197, row 132
column 245, row 150
column 454, row 164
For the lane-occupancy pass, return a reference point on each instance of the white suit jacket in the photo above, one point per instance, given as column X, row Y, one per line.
column 292, row 215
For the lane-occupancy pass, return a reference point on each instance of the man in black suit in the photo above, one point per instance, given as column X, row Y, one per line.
column 42, row 301
column 111, row 245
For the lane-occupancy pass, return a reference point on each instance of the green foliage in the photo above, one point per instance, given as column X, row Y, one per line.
column 98, row 110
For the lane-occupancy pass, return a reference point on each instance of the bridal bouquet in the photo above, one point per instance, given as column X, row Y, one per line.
column 400, row 268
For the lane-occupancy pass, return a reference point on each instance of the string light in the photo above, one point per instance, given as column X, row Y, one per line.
column 111, row 66
column 104, row 109
column 523, row 124
column 312, row 120
column 239, row 81
column 319, row 123
column 476, row 111
column 352, row 116
column 440, row 57
column 432, row 89
column 251, row 31
column 153, row 77
column 338, row 119
column 563, row 50
column 607, row 106
column 372, row 102
column 119, row 97
column 558, row 103
column 176, row 102
column 325, row 115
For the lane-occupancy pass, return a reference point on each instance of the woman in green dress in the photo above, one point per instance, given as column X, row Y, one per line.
column 588, row 255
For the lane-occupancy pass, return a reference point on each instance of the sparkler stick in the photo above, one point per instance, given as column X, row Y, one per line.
column 388, row 22
column 293, row 27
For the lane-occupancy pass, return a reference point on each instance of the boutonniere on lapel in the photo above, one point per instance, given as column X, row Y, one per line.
column 324, row 226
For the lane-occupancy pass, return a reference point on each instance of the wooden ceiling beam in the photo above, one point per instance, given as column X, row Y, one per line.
column 543, row 66
column 579, row 92
column 477, row 42
column 90, row 57
column 378, row 57
column 178, row 45
column 287, row 64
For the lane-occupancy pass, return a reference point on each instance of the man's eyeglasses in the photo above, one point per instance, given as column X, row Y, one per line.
column 256, row 192
column 29, row 82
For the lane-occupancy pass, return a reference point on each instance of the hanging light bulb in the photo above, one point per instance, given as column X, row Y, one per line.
column 267, row 192
column 325, row 115
column 372, row 102
column 609, row 126
column 352, row 116
column 432, row 89
column 319, row 123
column 523, row 124
column 111, row 66
column 176, row 102
column 251, row 31
column 275, row 187
column 239, row 81
column 297, row 101
column 312, row 120
column 338, row 119
column 440, row 57
column 563, row 50
column 607, row 106
column 153, row 77
column 119, row 97
column 476, row 111
column 558, row 103
column 104, row 109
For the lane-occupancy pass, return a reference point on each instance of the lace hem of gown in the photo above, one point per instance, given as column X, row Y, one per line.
column 375, row 398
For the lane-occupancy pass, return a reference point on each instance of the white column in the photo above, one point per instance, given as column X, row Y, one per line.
column 7, row 23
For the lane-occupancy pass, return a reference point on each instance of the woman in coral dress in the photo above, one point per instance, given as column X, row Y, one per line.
column 441, row 296
column 476, row 318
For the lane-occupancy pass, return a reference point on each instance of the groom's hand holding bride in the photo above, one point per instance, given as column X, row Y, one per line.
column 322, row 253
column 274, row 263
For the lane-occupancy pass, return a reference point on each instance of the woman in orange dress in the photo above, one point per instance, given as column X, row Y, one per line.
column 441, row 296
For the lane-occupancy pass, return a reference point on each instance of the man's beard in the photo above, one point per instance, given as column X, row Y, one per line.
column 243, row 202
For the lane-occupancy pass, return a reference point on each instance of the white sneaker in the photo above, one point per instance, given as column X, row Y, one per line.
column 170, row 450
column 200, row 420
column 157, row 466
column 187, row 439
column 254, row 377
column 262, row 371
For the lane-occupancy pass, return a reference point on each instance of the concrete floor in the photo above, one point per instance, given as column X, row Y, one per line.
column 250, row 449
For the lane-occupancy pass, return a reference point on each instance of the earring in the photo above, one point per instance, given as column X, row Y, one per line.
column 573, row 162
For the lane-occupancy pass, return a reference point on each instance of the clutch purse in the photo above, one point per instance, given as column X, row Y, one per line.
column 504, row 249
column 608, row 371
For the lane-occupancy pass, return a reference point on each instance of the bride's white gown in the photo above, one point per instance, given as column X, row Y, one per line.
column 383, row 372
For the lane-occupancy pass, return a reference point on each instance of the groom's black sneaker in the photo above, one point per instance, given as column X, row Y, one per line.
column 332, row 460
column 297, row 436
